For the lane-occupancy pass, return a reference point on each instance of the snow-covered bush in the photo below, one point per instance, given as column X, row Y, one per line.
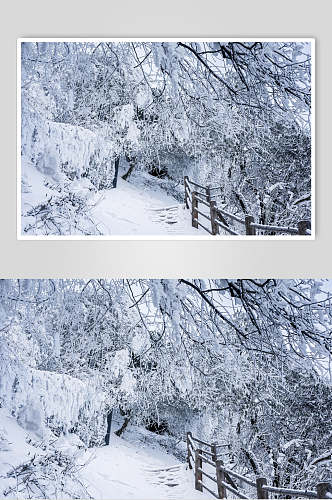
column 43, row 401
column 62, row 151
column 64, row 213
column 54, row 474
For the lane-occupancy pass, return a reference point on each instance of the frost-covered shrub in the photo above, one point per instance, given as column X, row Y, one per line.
column 51, row 475
column 280, row 427
column 60, row 148
column 43, row 400
column 67, row 213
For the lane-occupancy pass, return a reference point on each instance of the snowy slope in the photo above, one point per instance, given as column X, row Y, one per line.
column 128, row 468
column 130, row 209
column 13, row 444
column 23, row 455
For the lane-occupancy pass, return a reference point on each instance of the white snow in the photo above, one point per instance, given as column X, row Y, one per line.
column 130, row 209
column 137, row 210
column 128, row 468
column 14, row 448
column 18, row 447
column 125, row 470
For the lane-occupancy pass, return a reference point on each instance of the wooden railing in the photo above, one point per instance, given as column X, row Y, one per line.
column 199, row 198
column 222, row 479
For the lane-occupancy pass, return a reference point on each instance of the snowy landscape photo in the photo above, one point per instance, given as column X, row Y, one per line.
column 165, row 389
column 165, row 138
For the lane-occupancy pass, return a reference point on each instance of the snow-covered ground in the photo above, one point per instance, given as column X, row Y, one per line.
column 137, row 210
column 128, row 468
column 134, row 467
column 133, row 208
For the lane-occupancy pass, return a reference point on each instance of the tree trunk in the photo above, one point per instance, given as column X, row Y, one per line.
column 109, row 425
column 132, row 164
column 120, row 431
column 116, row 173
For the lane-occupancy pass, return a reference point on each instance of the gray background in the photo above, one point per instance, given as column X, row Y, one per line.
column 166, row 258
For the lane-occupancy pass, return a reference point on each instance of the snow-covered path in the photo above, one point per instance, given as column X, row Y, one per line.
column 132, row 209
column 136, row 467
column 125, row 470
column 136, row 208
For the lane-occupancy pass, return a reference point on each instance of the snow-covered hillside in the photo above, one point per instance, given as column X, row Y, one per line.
column 35, row 468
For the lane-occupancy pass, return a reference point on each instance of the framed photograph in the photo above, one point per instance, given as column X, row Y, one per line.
column 166, row 138
column 165, row 389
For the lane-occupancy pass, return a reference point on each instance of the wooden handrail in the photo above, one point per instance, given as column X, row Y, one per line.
column 195, row 184
column 208, row 475
column 231, row 216
column 239, row 476
column 233, row 490
column 226, row 228
column 289, row 491
column 279, row 229
column 218, row 215
column 203, row 215
column 208, row 489
column 204, row 203
column 208, row 453
column 204, row 227
column 223, row 476
column 206, row 460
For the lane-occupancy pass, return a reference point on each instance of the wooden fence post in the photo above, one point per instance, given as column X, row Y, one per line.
column 323, row 488
column 185, row 191
column 260, row 481
column 194, row 206
column 198, row 473
column 249, row 229
column 220, row 478
column 208, row 194
column 189, row 435
column 303, row 225
column 214, row 451
column 213, row 215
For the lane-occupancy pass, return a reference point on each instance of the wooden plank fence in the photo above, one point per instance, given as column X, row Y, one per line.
column 222, row 479
column 197, row 196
